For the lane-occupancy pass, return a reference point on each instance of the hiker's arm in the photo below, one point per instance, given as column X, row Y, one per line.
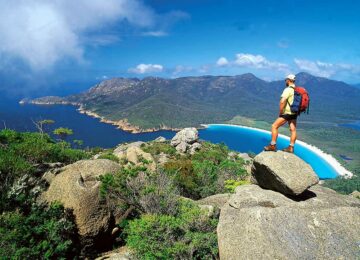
column 282, row 105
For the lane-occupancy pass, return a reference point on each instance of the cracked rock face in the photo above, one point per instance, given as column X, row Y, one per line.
column 77, row 188
column 187, row 135
column 283, row 172
column 263, row 224
column 186, row 140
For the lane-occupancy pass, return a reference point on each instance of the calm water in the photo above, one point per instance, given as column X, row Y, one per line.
column 354, row 125
column 95, row 133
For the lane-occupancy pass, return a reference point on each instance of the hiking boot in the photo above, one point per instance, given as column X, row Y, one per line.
column 270, row 148
column 289, row 149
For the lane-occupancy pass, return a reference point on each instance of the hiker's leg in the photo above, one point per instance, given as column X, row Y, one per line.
column 292, row 126
column 275, row 128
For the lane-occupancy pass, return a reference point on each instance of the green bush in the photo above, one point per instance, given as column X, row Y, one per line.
column 38, row 148
column 43, row 233
column 230, row 185
column 205, row 173
column 344, row 186
column 148, row 192
column 109, row 156
column 156, row 148
column 21, row 153
column 188, row 235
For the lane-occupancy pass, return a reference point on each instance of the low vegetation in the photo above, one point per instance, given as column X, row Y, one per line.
column 167, row 224
column 29, row 230
column 344, row 186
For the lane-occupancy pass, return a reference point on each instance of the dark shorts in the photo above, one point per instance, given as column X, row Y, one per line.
column 288, row 117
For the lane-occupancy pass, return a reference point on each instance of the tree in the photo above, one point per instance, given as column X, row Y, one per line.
column 41, row 125
column 63, row 132
column 78, row 143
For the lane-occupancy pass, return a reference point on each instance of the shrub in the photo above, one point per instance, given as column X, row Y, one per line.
column 230, row 185
column 148, row 192
column 109, row 156
column 188, row 235
column 156, row 148
column 37, row 148
column 21, row 153
column 344, row 186
column 205, row 173
column 44, row 233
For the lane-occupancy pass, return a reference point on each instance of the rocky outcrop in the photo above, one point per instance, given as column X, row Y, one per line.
column 283, row 172
column 132, row 154
column 160, row 139
column 265, row 224
column 186, row 140
column 217, row 200
column 122, row 253
column 355, row 194
column 77, row 188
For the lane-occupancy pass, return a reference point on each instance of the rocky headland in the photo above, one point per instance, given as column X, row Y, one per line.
column 277, row 211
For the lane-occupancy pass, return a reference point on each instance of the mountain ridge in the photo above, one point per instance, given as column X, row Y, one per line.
column 154, row 103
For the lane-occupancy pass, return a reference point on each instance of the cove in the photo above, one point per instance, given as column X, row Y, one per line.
column 244, row 139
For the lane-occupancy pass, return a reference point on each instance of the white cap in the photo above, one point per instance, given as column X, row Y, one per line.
column 291, row 77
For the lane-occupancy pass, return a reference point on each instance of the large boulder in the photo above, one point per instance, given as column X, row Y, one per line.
column 186, row 140
column 217, row 200
column 264, row 224
column 77, row 188
column 283, row 172
column 134, row 155
column 121, row 148
column 187, row 135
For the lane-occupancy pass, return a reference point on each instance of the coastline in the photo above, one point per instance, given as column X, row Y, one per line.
column 325, row 156
column 121, row 124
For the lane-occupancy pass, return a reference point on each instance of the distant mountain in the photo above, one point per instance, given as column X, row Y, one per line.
column 155, row 102
column 356, row 85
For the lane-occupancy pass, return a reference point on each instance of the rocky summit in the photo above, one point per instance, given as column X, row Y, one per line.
column 264, row 224
column 283, row 172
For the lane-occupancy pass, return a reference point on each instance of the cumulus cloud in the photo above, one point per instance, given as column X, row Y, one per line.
column 222, row 61
column 325, row 69
column 258, row 62
column 146, row 68
column 41, row 33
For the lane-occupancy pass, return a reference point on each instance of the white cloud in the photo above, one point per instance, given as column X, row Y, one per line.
column 146, row 68
column 155, row 33
column 258, row 62
column 222, row 61
column 325, row 69
column 40, row 33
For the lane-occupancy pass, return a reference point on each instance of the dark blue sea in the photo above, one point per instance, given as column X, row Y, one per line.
column 94, row 133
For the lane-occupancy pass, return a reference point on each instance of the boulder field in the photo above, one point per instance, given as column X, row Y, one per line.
column 288, row 216
column 284, row 214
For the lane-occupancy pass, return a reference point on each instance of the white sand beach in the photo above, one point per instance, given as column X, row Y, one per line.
column 327, row 157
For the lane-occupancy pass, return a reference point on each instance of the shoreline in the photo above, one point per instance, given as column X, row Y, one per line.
column 123, row 124
column 335, row 164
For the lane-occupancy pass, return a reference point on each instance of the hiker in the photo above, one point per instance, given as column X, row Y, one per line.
column 285, row 115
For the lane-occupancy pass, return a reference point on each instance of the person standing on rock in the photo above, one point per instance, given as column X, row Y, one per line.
column 285, row 115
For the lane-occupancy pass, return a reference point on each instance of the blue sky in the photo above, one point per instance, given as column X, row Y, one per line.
column 49, row 42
